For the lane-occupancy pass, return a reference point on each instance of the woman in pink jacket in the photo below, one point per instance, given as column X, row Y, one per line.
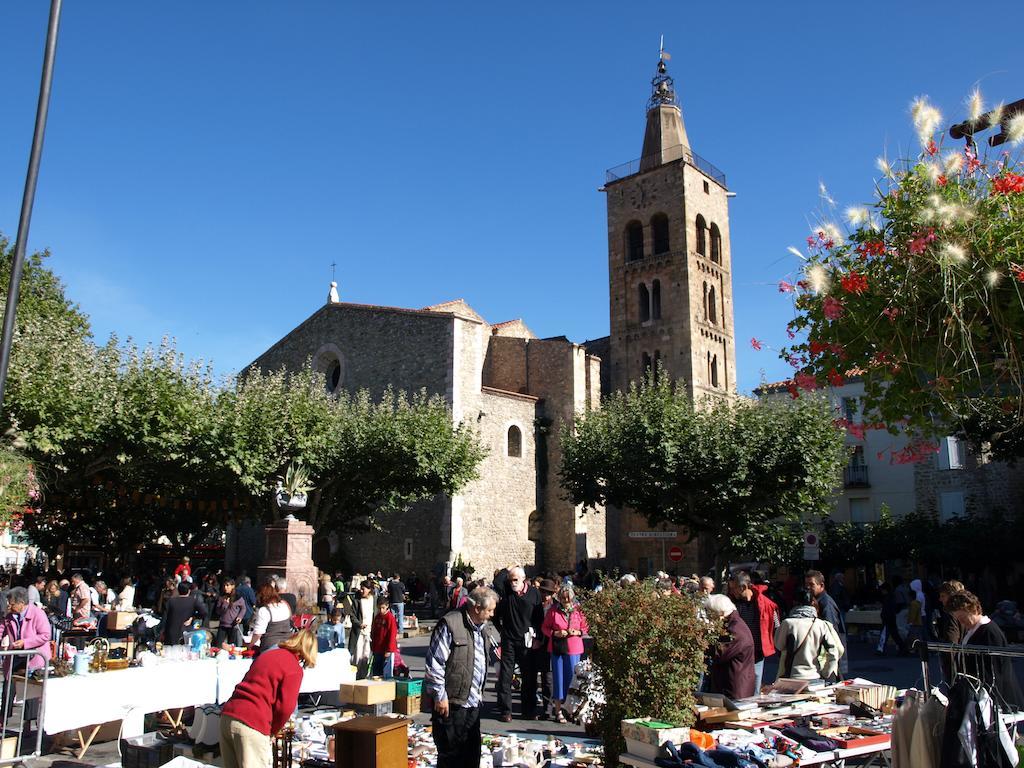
column 564, row 626
column 25, row 627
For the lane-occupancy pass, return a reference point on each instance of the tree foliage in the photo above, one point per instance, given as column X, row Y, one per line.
column 133, row 444
column 729, row 468
column 649, row 652
column 963, row 544
column 924, row 298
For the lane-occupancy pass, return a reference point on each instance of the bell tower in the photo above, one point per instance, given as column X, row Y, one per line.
column 670, row 294
column 669, row 258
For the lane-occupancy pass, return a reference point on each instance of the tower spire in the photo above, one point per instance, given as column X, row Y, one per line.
column 665, row 138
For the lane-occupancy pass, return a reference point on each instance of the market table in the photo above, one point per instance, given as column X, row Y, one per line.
column 83, row 703
column 838, row 757
column 332, row 669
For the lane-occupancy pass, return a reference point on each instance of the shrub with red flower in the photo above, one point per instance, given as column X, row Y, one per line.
column 1008, row 184
column 925, row 287
column 854, row 282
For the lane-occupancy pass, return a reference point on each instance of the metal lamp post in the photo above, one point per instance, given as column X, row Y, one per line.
column 29, row 196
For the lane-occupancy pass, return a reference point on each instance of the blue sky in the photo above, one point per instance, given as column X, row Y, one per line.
column 207, row 161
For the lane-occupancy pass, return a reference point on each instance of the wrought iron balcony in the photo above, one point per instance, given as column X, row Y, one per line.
column 856, row 476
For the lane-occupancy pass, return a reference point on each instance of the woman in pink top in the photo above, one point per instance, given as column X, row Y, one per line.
column 564, row 626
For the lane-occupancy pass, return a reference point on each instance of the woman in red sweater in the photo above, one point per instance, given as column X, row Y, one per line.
column 383, row 640
column 262, row 703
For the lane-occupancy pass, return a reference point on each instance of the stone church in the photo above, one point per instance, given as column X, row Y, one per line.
column 670, row 311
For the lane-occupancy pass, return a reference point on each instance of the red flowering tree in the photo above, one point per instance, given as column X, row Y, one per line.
column 924, row 298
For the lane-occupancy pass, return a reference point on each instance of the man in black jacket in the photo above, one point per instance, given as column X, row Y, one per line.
column 513, row 619
column 829, row 611
column 180, row 611
column 538, row 660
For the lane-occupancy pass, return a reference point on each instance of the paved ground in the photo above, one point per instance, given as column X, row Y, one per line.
column 902, row 672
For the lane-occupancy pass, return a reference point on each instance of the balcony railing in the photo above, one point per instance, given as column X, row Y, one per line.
column 856, row 476
column 647, row 162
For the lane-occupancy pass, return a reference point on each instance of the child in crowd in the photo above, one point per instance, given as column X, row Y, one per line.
column 383, row 640
column 337, row 626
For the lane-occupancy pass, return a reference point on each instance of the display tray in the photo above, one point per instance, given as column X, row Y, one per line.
column 852, row 736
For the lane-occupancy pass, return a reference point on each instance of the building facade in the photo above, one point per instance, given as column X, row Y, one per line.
column 515, row 390
column 951, row 482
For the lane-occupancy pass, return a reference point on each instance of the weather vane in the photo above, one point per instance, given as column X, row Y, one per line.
column 333, row 265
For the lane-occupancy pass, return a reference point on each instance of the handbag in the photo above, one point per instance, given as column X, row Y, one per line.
column 560, row 645
column 810, row 739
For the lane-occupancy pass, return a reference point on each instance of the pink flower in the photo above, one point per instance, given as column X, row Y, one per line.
column 785, row 287
column 832, row 307
column 891, row 312
column 834, row 379
column 755, row 344
column 920, row 243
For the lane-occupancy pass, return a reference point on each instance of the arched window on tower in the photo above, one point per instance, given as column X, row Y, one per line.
column 515, row 442
column 712, row 306
column 643, row 298
column 659, row 233
column 705, row 301
column 702, row 229
column 645, row 361
column 634, row 241
column 716, row 244
column 656, row 300
column 714, row 370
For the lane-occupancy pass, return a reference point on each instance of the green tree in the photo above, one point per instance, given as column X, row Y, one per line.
column 134, row 444
column 366, row 458
column 729, row 469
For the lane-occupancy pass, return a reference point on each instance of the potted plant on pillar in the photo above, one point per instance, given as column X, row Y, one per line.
column 293, row 489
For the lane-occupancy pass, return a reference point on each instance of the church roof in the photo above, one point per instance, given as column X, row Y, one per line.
column 458, row 307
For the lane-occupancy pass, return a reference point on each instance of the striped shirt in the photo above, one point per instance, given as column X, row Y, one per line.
column 437, row 657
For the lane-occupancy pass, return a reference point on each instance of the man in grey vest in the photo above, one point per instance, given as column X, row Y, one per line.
column 456, row 669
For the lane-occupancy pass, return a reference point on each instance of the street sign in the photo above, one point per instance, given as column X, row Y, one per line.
column 653, row 534
column 812, row 546
column 675, row 554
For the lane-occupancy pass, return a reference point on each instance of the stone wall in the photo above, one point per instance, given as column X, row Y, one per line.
column 378, row 346
column 987, row 486
column 496, row 508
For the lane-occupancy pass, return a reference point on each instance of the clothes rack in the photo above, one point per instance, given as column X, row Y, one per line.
column 925, row 649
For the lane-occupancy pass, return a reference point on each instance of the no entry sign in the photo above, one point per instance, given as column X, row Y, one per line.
column 675, row 554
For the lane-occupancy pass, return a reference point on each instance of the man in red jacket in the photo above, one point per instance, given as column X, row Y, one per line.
column 761, row 616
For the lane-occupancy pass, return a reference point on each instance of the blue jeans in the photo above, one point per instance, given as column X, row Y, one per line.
column 383, row 666
column 758, row 674
column 399, row 610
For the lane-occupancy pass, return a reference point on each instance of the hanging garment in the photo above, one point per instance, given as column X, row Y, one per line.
column 926, row 742
column 904, row 721
column 975, row 735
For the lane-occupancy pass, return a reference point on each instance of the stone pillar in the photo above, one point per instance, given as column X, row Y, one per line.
column 290, row 554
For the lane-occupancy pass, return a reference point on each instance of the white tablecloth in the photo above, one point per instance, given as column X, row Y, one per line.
column 332, row 669
column 77, row 701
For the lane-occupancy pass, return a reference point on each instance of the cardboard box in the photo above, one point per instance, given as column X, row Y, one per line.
column 644, row 737
column 121, row 620
column 407, row 705
column 368, row 692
